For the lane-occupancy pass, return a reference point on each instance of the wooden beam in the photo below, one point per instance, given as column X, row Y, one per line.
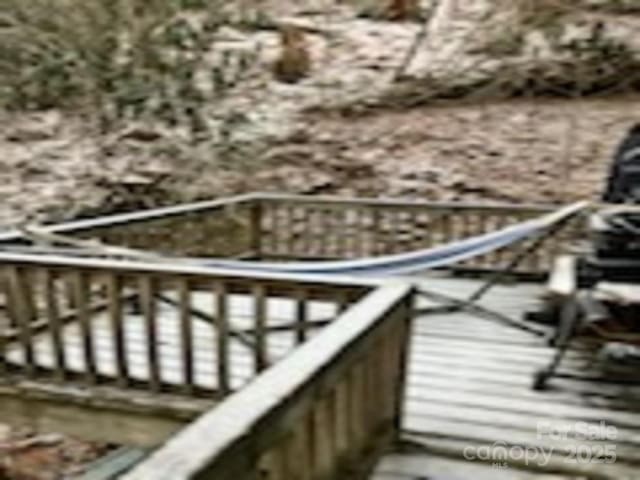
column 99, row 413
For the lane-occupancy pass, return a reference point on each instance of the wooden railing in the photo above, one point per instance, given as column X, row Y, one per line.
column 295, row 227
column 322, row 413
column 154, row 327
column 320, row 360
column 274, row 226
column 221, row 228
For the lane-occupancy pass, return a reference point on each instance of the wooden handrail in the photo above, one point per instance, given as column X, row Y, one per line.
column 329, row 201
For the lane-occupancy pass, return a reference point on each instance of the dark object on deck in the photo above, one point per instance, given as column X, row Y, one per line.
column 598, row 290
column 623, row 184
column 616, row 243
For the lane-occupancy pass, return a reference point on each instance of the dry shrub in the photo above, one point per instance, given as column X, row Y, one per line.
column 118, row 59
column 595, row 64
column 614, row 6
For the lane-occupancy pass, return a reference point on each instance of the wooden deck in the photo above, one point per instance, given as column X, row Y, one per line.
column 140, row 368
column 468, row 391
column 469, row 387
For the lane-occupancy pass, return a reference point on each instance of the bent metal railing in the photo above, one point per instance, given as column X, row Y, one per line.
column 322, row 413
column 222, row 227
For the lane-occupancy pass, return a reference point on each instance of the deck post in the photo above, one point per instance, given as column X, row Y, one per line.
column 255, row 229
column 404, row 331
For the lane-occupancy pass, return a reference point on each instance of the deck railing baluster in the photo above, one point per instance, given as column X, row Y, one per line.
column 333, row 233
column 186, row 334
column 290, row 232
column 341, row 421
column 341, row 230
column 301, row 303
column 302, row 449
column 371, row 393
column 114, row 286
column 383, row 232
column 377, row 249
column 395, row 237
column 52, row 312
column 306, row 236
column 260, row 318
column 322, row 439
column 260, row 220
column 221, row 317
column 147, row 291
column 322, row 233
column 3, row 354
column 364, row 233
column 7, row 319
column 467, row 224
column 5, row 316
column 80, row 282
column 356, row 404
column 387, row 372
column 376, row 387
column 24, row 311
column 275, row 230
column 447, row 227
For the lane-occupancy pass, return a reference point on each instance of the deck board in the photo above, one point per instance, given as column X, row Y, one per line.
column 433, row 467
column 469, row 386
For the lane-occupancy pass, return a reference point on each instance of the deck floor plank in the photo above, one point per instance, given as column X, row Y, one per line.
column 469, row 386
